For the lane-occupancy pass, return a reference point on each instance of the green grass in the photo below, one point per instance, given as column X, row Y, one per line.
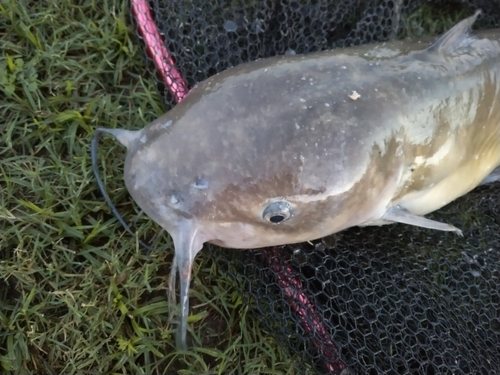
column 77, row 294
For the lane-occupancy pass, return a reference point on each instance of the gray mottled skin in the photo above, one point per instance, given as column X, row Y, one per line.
column 286, row 127
column 424, row 131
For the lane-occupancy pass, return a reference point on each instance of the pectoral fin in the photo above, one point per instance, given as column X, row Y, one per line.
column 400, row 215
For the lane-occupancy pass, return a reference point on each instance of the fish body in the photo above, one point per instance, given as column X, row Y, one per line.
column 294, row 148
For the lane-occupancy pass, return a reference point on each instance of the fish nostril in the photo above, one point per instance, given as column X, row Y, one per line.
column 200, row 183
column 174, row 199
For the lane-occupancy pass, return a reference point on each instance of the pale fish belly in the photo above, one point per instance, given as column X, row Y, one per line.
column 456, row 183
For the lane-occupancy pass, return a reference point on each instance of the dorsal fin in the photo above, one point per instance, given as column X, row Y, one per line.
column 451, row 40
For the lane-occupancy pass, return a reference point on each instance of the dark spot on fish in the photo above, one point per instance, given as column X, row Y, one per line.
column 276, row 219
column 174, row 198
column 200, row 183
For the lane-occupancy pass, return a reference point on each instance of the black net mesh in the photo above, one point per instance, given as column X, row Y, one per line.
column 401, row 300
column 390, row 300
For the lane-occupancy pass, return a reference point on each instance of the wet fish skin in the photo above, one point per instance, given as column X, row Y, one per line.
column 286, row 127
column 285, row 133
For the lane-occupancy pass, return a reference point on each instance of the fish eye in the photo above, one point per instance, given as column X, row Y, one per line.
column 277, row 212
